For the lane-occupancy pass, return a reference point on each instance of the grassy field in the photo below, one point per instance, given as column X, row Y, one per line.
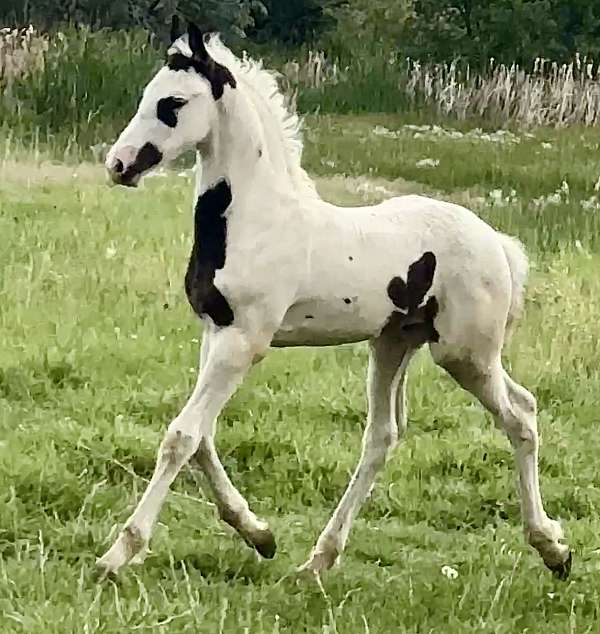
column 98, row 353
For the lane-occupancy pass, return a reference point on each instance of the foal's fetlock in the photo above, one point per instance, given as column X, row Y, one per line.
column 130, row 546
column 324, row 555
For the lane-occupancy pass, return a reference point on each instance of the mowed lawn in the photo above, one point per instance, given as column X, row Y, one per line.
column 98, row 350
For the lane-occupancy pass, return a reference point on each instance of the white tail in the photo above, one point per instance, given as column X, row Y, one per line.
column 519, row 267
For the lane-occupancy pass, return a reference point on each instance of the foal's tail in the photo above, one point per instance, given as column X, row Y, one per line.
column 519, row 267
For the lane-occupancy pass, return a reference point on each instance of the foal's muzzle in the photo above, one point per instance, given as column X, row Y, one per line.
column 126, row 165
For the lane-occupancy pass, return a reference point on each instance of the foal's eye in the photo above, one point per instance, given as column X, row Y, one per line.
column 166, row 110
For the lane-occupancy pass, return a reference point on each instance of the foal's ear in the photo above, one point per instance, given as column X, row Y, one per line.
column 196, row 41
column 175, row 28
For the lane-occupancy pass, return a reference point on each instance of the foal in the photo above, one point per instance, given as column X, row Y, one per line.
column 274, row 264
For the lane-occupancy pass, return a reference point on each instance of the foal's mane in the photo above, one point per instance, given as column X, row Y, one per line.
column 262, row 85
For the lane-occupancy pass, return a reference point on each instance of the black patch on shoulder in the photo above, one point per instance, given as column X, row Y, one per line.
column 415, row 322
column 208, row 255
column 147, row 157
column 217, row 75
column 167, row 109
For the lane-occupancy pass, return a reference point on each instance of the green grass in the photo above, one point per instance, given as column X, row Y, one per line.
column 98, row 349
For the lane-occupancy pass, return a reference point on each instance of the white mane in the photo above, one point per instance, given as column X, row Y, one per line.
column 262, row 84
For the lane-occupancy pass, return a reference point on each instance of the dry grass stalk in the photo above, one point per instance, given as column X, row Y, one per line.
column 21, row 53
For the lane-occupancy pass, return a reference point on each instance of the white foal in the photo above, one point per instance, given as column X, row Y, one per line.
column 273, row 264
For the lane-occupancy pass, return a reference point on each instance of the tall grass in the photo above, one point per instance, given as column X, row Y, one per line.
column 547, row 95
column 81, row 89
column 73, row 90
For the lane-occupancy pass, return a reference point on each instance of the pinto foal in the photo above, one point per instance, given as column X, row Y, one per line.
column 275, row 265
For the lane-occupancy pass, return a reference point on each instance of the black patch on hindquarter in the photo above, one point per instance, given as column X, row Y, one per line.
column 415, row 322
column 208, row 255
column 148, row 156
column 167, row 109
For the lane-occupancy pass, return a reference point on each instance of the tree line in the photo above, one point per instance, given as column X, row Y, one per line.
column 474, row 31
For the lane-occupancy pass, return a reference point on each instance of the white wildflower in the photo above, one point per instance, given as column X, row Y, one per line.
column 427, row 162
column 110, row 252
column 591, row 204
column 449, row 572
column 380, row 130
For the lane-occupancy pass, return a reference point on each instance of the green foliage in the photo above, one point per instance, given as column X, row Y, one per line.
column 506, row 30
column 230, row 17
column 293, row 22
column 435, row 30
column 369, row 28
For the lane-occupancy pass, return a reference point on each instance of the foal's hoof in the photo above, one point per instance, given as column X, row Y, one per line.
column 265, row 544
column 562, row 570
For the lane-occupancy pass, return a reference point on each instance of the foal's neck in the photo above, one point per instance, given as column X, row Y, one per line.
column 236, row 151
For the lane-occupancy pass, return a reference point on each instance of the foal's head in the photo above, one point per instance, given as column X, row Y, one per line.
column 177, row 112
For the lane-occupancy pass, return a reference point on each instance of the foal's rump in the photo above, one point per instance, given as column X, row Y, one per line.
column 479, row 280
column 480, row 273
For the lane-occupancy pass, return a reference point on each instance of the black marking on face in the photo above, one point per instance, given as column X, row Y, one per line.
column 167, row 109
column 350, row 258
column 147, row 157
column 208, row 255
column 259, row 152
column 309, row 316
column 216, row 74
column 347, row 300
column 415, row 322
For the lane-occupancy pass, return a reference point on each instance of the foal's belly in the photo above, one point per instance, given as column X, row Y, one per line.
column 323, row 323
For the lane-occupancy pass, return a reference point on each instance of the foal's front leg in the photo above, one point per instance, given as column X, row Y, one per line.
column 228, row 360
column 232, row 506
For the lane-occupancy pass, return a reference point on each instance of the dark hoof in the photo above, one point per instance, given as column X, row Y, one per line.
column 562, row 571
column 265, row 545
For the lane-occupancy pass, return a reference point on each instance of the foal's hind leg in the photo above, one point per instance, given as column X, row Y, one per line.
column 514, row 409
column 388, row 361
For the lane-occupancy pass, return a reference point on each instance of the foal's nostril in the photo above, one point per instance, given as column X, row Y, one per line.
column 118, row 168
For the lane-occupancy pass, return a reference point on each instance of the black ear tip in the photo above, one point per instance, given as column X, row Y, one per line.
column 193, row 29
column 175, row 32
column 196, row 38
